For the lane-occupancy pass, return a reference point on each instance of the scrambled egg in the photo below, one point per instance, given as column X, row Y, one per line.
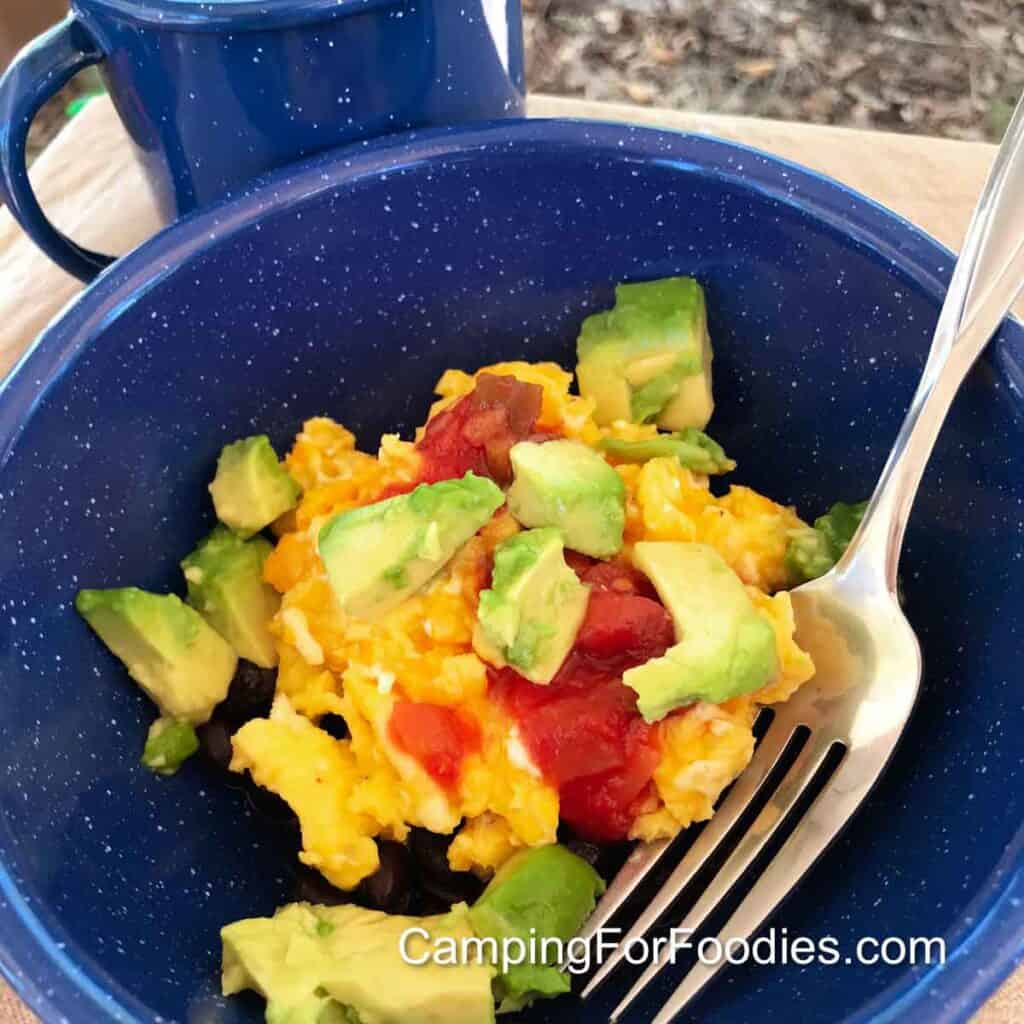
column 316, row 775
column 702, row 750
column 560, row 412
column 346, row 792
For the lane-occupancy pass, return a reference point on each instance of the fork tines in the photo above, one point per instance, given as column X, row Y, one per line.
column 791, row 770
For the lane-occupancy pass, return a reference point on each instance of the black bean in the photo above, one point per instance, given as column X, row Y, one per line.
column 251, row 694
column 430, row 851
column 215, row 744
column 335, row 725
column 311, row 887
column 588, row 851
column 455, row 887
column 604, row 858
column 427, row 903
column 269, row 806
column 613, row 856
column 390, row 887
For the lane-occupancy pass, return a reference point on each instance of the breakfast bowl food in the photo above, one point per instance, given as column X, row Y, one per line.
column 346, row 289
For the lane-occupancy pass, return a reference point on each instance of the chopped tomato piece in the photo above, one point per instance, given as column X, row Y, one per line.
column 438, row 737
column 582, row 730
column 579, row 563
column 479, row 430
column 578, row 734
column 624, row 630
column 602, row 806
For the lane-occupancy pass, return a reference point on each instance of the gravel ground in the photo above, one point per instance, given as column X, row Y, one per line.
column 935, row 67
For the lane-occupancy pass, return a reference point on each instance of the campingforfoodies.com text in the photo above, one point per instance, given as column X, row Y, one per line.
column 776, row 947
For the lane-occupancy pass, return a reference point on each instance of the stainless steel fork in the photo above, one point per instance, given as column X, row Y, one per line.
column 867, row 656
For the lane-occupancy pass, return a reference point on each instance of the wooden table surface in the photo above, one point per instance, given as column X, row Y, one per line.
column 91, row 188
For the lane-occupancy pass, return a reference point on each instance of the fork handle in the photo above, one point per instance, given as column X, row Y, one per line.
column 987, row 280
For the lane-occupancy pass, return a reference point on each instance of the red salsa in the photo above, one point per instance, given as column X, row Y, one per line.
column 583, row 730
column 438, row 737
column 479, row 430
column 477, row 433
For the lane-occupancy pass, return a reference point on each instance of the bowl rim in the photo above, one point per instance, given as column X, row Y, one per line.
column 988, row 941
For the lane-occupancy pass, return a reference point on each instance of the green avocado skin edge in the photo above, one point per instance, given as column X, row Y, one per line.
column 692, row 448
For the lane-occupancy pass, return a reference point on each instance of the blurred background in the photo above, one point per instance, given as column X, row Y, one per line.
column 938, row 67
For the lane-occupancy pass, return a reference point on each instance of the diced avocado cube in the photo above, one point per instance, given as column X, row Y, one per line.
column 693, row 448
column 839, row 524
column 184, row 665
column 725, row 647
column 534, row 608
column 542, row 892
column 808, row 555
column 225, row 585
column 169, row 745
column 811, row 552
column 567, row 485
column 252, row 488
column 344, row 965
column 379, row 555
column 649, row 358
column 694, row 400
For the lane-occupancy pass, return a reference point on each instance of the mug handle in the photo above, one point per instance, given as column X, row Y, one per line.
column 36, row 74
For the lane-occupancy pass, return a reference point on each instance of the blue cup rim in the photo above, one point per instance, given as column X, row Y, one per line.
column 987, row 943
column 233, row 15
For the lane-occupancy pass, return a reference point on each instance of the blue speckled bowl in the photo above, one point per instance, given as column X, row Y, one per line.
column 346, row 287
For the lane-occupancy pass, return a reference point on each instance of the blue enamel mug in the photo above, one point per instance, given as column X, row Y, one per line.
column 215, row 92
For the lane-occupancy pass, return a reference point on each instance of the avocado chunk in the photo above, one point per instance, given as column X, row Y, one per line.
column 725, row 647
column 547, row 892
column 169, row 745
column 694, row 400
column 379, row 555
column 567, row 485
column 812, row 551
column 184, row 665
column 328, row 965
column 808, row 555
column 840, row 523
column 534, row 608
column 649, row 358
column 691, row 447
column 225, row 585
column 252, row 488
